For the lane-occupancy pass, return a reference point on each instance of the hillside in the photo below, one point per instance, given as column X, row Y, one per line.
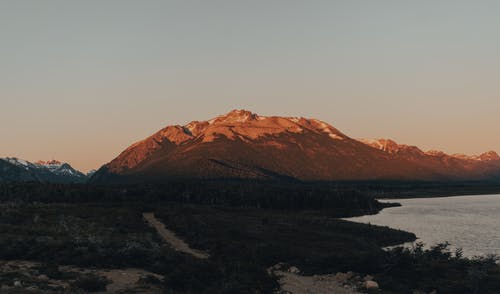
column 244, row 145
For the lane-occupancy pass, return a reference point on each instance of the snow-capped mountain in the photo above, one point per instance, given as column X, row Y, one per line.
column 90, row 173
column 487, row 156
column 60, row 168
column 392, row 147
column 244, row 145
column 483, row 166
column 15, row 169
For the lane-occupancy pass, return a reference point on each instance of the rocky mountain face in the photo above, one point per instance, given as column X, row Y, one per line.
column 18, row 170
column 392, row 147
column 244, row 145
column 485, row 166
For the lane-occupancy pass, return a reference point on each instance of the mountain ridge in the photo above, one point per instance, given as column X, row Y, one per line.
column 52, row 171
column 245, row 145
column 391, row 146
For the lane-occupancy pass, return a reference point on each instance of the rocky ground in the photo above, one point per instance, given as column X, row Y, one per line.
column 292, row 281
column 32, row 277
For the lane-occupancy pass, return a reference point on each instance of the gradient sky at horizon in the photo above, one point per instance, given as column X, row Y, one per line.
column 82, row 80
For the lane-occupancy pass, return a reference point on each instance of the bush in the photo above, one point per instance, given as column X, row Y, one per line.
column 91, row 283
column 437, row 268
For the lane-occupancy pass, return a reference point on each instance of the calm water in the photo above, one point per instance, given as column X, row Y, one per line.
column 469, row 222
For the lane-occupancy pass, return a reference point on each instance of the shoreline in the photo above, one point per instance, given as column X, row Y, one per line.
column 428, row 197
column 424, row 217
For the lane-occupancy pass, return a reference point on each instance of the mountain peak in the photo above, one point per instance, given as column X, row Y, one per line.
column 236, row 116
column 381, row 144
column 436, row 153
column 240, row 112
column 45, row 171
column 244, row 145
column 486, row 156
column 49, row 162
column 238, row 125
column 392, row 147
column 489, row 156
column 17, row 161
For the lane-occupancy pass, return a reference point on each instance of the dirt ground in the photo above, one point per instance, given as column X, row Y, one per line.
column 20, row 276
column 292, row 281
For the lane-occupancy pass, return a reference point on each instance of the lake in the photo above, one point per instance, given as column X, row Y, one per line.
column 468, row 222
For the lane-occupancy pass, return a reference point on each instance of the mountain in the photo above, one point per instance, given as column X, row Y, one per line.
column 18, row 170
column 13, row 172
column 487, row 156
column 458, row 166
column 244, row 145
column 90, row 173
column 391, row 147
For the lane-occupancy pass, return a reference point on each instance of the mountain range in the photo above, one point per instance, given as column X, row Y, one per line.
column 52, row 171
column 244, row 145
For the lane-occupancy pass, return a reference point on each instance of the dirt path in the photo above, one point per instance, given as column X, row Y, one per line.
column 170, row 237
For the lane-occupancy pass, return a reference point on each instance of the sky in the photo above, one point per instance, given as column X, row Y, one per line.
column 82, row 80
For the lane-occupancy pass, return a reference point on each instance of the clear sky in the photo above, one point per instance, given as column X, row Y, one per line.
column 82, row 80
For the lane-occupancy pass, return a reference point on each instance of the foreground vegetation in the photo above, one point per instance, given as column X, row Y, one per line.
column 248, row 242
column 319, row 245
column 103, row 227
column 438, row 269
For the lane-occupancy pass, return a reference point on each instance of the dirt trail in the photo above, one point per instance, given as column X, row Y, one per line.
column 170, row 237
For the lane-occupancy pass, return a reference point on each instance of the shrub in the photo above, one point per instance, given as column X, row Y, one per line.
column 91, row 283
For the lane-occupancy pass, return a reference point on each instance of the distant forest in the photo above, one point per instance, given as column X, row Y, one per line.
column 337, row 200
